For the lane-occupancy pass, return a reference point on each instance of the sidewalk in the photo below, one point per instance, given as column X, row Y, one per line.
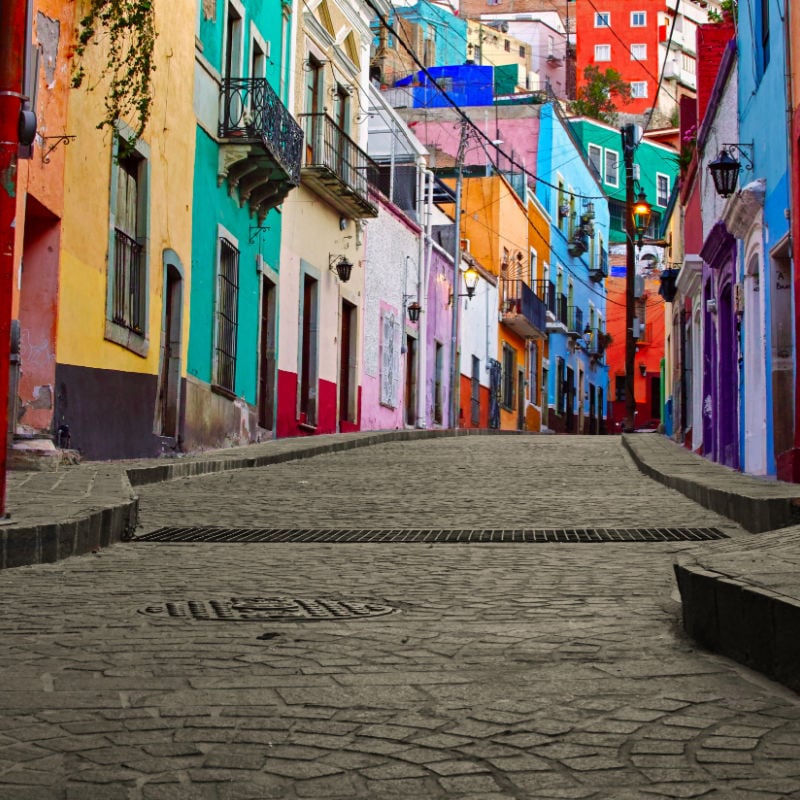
column 740, row 597
column 80, row 508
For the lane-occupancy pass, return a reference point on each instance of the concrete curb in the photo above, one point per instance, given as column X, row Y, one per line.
column 754, row 513
column 749, row 624
column 88, row 531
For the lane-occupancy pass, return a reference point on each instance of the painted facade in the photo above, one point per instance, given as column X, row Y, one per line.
column 240, row 93
column 122, row 332
column 756, row 216
column 319, row 375
column 577, row 385
column 39, row 215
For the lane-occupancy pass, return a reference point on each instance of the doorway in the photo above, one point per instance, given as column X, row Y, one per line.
column 169, row 378
column 347, row 364
column 410, row 388
column 520, row 400
column 267, row 355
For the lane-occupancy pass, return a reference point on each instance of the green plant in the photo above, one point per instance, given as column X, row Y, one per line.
column 130, row 35
column 596, row 95
column 729, row 7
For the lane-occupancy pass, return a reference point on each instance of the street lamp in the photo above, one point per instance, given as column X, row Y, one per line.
column 413, row 311
column 471, row 277
column 725, row 168
column 341, row 265
column 642, row 211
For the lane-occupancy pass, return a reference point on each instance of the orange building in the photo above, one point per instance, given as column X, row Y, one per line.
column 647, row 376
column 40, row 207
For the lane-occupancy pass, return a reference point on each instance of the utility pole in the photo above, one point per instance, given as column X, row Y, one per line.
column 13, row 15
column 455, row 365
column 628, row 146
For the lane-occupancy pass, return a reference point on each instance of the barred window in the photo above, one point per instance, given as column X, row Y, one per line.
column 226, row 316
column 128, row 273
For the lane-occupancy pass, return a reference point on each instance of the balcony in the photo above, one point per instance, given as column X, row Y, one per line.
column 262, row 144
column 575, row 321
column 522, row 311
column 336, row 168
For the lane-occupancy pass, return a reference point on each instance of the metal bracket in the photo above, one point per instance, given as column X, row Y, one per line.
column 738, row 147
column 65, row 138
column 257, row 230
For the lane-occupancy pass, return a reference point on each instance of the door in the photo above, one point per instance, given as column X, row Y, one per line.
column 520, row 400
column 410, row 389
column 170, row 371
column 570, row 393
column 266, row 356
column 347, row 362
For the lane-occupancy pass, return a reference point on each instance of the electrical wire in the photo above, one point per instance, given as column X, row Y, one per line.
column 463, row 115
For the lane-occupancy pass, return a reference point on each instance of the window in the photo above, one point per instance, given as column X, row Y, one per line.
column 533, row 268
column 596, row 159
column 522, row 51
column 233, row 40
column 127, row 288
column 389, row 361
column 259, row 50
column 638, row 52
column 688, row 64
column 561, row 387
column 619, row 387
column 612, row 168
column 507, row 45
column 533, row 373
column 551, row 46
column 602, row 52
column 639, row 89
column 602, row 19
column 308, row 349
column 638, row 19
column 662, row 189
column 509, row 376
column 226, row 314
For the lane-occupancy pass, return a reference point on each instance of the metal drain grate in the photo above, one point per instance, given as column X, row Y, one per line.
column 428, row 536
column 270, row 609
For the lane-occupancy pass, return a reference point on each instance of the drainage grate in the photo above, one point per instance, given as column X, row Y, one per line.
column 428, row 536
column 270, row 609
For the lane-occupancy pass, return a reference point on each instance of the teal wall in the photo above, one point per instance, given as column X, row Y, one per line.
column 213, row 206
column 651, row 158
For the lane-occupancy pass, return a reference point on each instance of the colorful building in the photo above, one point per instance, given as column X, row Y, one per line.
column 577, row 376
column 126, row 255
column 38, row 230
column 322, row 243
column 247, row 160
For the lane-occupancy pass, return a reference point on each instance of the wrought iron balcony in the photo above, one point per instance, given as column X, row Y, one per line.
column 264, row 143
column 336, row 168
column 522, row 310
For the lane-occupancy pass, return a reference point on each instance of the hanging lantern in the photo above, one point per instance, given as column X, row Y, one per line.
column 725, row 173
column 642, row 211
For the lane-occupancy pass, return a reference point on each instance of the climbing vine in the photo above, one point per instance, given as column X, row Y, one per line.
column 127, row 29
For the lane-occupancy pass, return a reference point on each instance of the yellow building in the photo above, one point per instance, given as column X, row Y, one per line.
column 126, row 255
column 490, row 44
column 322, row 252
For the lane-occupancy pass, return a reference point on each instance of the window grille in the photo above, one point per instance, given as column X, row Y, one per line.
column 227, row 315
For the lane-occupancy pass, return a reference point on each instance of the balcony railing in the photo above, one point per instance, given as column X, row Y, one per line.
column 522, row 310
column 575, row 320
column 337, row 168
column 251, row 113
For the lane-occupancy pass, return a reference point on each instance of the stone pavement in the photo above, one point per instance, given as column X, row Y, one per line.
column 504, row 671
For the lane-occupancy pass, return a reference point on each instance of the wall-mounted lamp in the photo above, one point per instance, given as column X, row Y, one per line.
column 642, row 368
column 413, row 311
column 341, row 265
column 725, row 168
column 587, row 334
column 471, row 276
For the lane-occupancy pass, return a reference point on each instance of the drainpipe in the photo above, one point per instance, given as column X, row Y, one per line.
column 424, row 219
column 13, row 17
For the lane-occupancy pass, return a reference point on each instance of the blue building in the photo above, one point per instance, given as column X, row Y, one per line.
column 577, row 375
column 756, row 216
column 467, row 84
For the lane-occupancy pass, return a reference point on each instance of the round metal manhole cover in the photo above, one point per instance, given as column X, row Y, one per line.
column 270, row 609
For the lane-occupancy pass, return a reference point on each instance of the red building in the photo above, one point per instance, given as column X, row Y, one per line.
column 623, row 35
column 649, row 310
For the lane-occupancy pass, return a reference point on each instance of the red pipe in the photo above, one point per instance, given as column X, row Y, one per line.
column 12, row 46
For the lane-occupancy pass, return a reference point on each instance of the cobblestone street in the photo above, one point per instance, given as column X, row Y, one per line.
column 503, row 671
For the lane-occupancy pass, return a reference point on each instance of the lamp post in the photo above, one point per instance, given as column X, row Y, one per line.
column 637, row 219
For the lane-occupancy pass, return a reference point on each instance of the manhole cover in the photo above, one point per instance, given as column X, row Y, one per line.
column 270, row 609
column 428, row 535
